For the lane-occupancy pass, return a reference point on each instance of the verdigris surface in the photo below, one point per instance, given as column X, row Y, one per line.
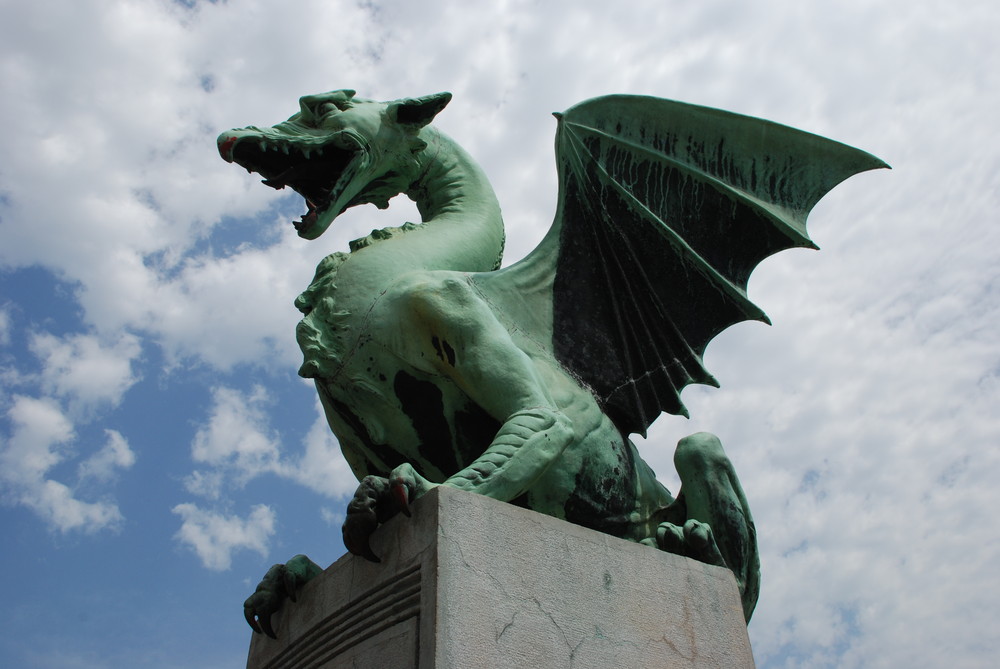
column 435, row 367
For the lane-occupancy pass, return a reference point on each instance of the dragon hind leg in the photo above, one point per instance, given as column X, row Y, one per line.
column 714, row 524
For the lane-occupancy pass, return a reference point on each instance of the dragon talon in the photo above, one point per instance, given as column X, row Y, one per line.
column 265, row 625
column 248, row 613
column 368, row 554
column 401, row 497
column 357, row 542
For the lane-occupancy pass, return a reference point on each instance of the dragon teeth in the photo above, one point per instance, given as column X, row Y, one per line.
column 308, row 218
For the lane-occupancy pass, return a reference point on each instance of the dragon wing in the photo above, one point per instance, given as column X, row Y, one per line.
column 665, row 209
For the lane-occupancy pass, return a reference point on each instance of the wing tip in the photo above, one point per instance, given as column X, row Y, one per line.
column 867, row 163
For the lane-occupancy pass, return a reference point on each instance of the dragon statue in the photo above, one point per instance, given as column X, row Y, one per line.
column 436, row 367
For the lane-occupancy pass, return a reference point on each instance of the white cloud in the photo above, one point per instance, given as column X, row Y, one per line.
column 38, row 443
column 103, row 465
column 214, row 537
column 236, row 443
column 57, row 503
column 235, row 431
column 206, row 483
column 4, row 326
column 232, row 310
column 322, row 466
column 85, row 370
column 39, row 428
column 849, row 494
column 134, row 164
column 331, row 517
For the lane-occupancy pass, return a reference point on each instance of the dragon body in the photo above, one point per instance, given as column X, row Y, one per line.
column 434, row 367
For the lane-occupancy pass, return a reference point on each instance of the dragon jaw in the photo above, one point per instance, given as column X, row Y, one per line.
column 324, row 170
column 337, row 152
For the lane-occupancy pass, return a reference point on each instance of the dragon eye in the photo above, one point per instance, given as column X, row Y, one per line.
column 333, row 107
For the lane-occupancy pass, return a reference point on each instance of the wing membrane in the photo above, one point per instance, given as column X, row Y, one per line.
column 664, row 211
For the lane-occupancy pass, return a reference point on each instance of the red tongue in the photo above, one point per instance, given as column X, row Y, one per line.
column 308, row 218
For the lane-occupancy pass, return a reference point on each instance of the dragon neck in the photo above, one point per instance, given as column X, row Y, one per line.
column 462, row 227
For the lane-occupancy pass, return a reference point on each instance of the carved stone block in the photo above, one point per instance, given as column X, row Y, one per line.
column 471, row 582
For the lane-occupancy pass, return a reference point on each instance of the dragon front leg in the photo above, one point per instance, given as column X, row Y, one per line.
column 281, row 582
column 527, row 443
column 446, row 314
column 449, row 325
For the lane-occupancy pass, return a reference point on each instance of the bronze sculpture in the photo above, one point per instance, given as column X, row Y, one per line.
column 435, row 367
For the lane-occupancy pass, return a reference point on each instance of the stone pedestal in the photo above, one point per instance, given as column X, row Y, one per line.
column 471, row 582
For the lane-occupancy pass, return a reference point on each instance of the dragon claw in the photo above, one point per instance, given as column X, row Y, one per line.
column 701, row 544
column 693, row 539
column 401, row 497
column 367, row 553
column 363, row 516
column 265, row 626
column 258, row 611
column 281, row 582
column 248, row 613
column 670, row 538
column 377, row 500
column 356, row 536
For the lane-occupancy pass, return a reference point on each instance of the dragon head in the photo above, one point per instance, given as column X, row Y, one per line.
column 338, row 151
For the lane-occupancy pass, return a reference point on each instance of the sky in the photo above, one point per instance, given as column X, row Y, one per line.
column 158, row 452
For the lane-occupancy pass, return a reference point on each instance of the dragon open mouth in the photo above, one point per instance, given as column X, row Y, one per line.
column 321, row 172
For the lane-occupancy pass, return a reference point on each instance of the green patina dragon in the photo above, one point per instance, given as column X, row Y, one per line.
column 435, row 367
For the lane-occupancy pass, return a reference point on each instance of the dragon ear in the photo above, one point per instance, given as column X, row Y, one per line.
column 310, row 103
column 418, row 112
column 344, row 94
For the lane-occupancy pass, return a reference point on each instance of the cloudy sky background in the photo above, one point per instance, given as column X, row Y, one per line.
column 158, row 453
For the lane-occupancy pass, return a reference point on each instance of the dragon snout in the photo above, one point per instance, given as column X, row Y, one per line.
column 226, row 142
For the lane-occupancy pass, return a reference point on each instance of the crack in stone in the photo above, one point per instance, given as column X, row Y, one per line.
column 507, row 626
column 555, row 624
column 461, row 553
